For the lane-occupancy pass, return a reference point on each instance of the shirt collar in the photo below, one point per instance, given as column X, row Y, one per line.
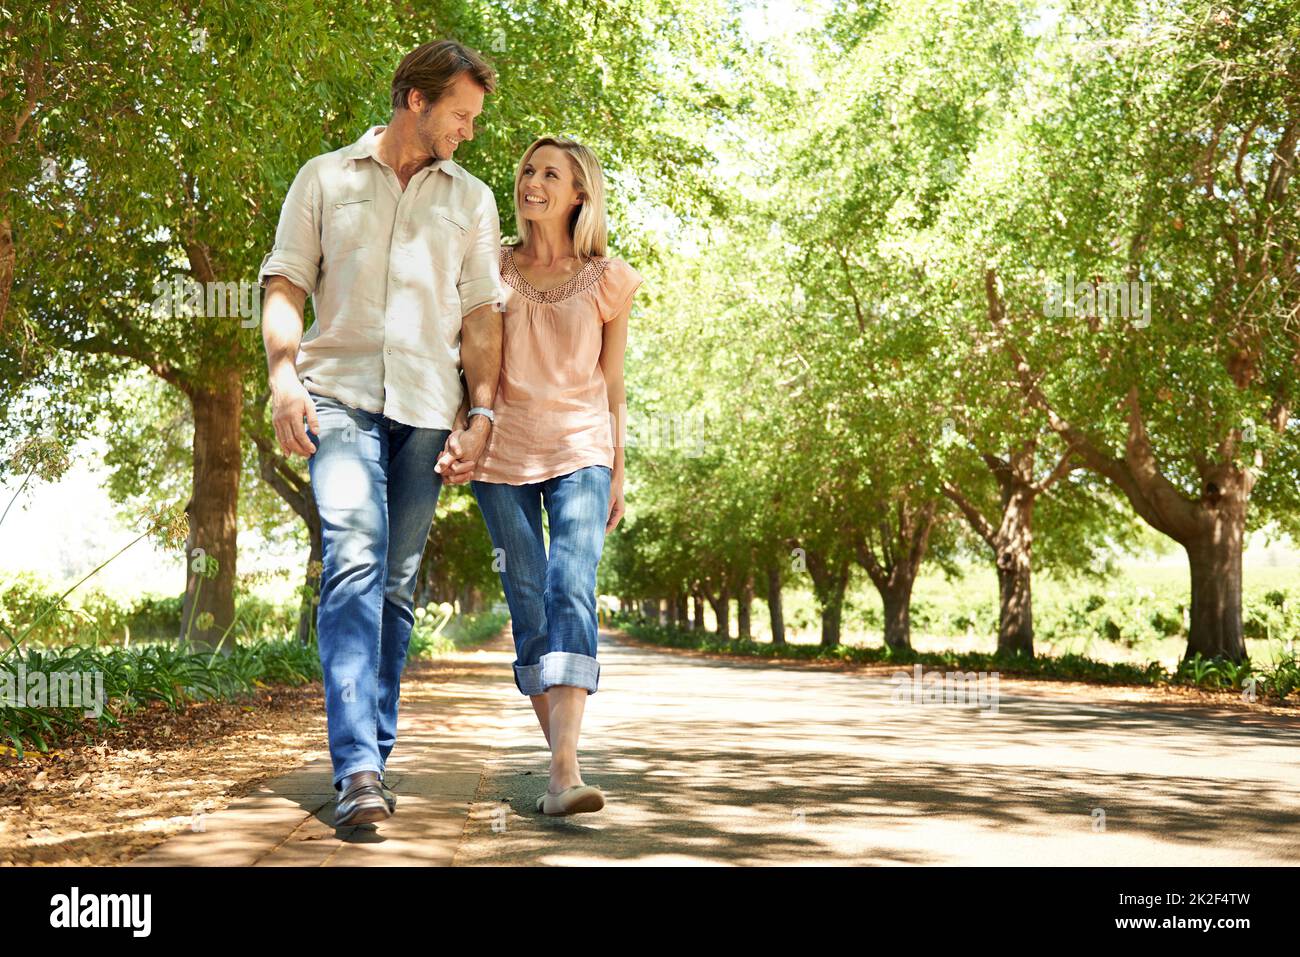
column 367, row 145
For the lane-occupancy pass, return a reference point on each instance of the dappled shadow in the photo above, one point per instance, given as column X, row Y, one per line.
column 743, row 762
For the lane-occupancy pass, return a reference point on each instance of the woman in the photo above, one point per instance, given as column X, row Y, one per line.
column 557, row 410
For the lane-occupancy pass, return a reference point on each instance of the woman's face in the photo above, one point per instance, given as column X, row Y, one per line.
column 546, row 187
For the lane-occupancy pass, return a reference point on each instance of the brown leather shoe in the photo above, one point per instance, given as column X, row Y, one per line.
column 361, row 800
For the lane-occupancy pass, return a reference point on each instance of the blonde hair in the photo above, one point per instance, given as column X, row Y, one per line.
column 587, row 225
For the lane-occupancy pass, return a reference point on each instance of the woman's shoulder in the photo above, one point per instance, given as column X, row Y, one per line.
column 615, row 267
column 617, row 284
column 619, row 273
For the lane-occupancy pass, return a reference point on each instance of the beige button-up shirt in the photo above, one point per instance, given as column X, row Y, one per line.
column 391, row 274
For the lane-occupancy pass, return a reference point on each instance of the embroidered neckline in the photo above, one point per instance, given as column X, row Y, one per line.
column 591, row 270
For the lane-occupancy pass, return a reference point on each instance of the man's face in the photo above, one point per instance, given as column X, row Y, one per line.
column 443, row 124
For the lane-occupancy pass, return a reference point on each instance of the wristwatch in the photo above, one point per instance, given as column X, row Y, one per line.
column 483, row 411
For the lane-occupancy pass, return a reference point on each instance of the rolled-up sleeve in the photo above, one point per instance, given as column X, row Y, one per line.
column 297, row 251
column 480, row 272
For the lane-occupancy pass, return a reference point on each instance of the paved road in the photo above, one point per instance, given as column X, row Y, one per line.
column 727, row 762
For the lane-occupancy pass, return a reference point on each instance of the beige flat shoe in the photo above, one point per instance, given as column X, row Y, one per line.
column 575, row 800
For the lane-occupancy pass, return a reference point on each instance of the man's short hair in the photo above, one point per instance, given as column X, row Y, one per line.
column 432, row 67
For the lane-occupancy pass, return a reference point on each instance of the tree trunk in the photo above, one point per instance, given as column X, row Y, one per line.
column 774, row 608
column 311, row 589
column 1215, row 626
column 7, row 259
column 1015, row 570
column 213, row 512
column 829, row 584
column 894, row 572
column 1011, row 539
column 1015, row 605
column 745, row 609
column 722, row 611
column 831, row 614
column 697, row 619
column 897, row 600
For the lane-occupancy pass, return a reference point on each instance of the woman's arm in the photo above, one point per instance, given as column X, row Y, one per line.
column 611, row 365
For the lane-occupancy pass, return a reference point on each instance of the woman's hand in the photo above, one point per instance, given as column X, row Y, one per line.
column 616, row 505
column 462, row 451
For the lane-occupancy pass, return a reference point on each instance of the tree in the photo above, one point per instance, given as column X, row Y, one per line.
column 1162, row 162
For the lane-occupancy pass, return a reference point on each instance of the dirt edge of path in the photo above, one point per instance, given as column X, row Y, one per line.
column 108, row 801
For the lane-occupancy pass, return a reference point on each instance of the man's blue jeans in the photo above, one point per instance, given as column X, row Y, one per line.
column 552, row 599
column 376, row 492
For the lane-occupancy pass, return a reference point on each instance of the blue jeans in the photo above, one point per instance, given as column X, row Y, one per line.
column 552, row 598
column 376, row 492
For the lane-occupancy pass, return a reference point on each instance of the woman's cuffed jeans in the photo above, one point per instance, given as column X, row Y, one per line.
column 552, row 598
column 376, row 491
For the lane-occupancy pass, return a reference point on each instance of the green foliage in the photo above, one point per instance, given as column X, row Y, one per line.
column 459, row 554
column 93, row 617
column 439, row 632
column 136, row 678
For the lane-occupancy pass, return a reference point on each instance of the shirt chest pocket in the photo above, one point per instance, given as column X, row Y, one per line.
column 447, row 237
column 350, row 223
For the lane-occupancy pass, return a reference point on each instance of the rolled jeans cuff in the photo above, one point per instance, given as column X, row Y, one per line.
column 558, row 668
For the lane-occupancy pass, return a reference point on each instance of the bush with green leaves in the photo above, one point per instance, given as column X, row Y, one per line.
column 93, row 617
column 1272, row 616
column 137, row 677
column 438, row 631
column 1131, row 617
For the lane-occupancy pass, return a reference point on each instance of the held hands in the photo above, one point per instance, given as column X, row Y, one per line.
column 460, row 455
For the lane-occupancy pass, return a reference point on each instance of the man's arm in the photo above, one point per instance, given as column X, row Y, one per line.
column 282, row 319
column 462, row 414
column 481, row 298
column 288, row 273
column 480, row 355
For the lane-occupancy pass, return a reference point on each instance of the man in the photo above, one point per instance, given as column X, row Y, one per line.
column 398, row 248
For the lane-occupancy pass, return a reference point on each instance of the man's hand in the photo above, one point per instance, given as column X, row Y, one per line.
column 290, row 401
column 460, row 455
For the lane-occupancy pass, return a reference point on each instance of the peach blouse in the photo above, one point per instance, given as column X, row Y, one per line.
column 552, row 408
